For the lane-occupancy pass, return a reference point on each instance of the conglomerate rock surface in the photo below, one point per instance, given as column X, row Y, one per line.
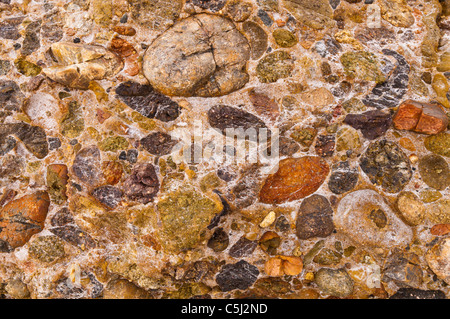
column 224, row 149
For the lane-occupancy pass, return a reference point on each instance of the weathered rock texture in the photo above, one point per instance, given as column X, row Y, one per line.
column 204, row 55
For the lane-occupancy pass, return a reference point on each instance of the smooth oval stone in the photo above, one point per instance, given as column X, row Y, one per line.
column 296, row 178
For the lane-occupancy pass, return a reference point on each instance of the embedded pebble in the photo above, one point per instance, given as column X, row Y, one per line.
column 367, row 219
column 103, row 104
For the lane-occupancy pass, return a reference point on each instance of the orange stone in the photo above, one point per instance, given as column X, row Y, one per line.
column 22, row 218
column 112, row 171
column 124, row 30
column 440, row 229
column 420, row 117
column 296, row 178
column 122, row 47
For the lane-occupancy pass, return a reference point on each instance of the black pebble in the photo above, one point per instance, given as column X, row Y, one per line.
column 123, row 155
column 124, row 18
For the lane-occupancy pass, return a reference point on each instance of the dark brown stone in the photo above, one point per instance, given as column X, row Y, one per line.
column 315, row 218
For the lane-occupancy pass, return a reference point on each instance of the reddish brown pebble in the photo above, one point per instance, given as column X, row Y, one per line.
column 22, row 218
column 420, row 117
column 102, row 115
column 112, row 171
column 264, row 105
column 122, row 47
column 127, row 31
column 440, row 229
column 296, row 178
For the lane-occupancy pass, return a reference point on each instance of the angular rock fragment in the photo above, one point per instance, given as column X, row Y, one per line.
column 86, row 165
column 43, row 110
column 11, row 97
column 283, row 265
column 240, row 275
column 403, row 269
column 438, row 258
column 148, row 102
column 22, row 218
column 243, row 247
column 33, row 137
column 8, row 28
column 296, row 178
column 387, row 165
column 65, row 228
column 7, row 143
column 246, row 190
column 78, row 64
column 142, row 185
column 57, row 182
column 390, row 92
column 182, row 208
column 397, row 13
column 420, row 117
column 264, row 105
column 203, row 55
column 109, row 196
column 31, row 42
column 5, row 67
column 72, row 124
column 373, row 124
column 47, row 249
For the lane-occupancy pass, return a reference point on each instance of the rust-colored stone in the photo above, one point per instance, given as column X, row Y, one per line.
column 440, row 229
column 124, row 30
column 22, row 218
column 420, row 117
column 112, row 171
column 122, row 47
column 296, row 178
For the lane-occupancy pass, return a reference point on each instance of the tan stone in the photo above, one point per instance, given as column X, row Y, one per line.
column 438, row 258
column 78, row 64
column 203, row 55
